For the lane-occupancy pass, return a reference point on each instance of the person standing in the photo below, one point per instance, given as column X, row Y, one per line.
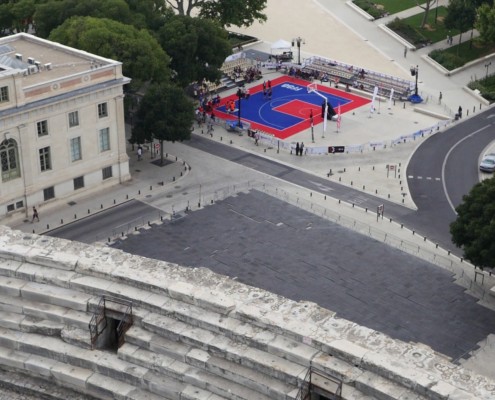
column 140, row 152
column 301, row 149
column 297, row 148
column 35, row 215
column 440, row 96
column 459, row 111
column 405, row 51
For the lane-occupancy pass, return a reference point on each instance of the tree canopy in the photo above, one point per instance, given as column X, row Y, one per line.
column 485, row 23
column 165, row 113
column 142, row 57
column 53, row 13
column 461, row 15
column 226, row 12
column 198, row 47
column 474, row 228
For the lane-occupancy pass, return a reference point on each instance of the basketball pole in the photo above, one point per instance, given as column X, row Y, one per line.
column 312, row 89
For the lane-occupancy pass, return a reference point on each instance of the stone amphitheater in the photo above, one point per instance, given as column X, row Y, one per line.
column 85, row 322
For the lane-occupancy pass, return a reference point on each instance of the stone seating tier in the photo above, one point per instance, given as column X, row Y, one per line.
column 209, row 337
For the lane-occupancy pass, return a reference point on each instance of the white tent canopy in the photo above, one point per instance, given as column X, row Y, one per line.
column 281, row 45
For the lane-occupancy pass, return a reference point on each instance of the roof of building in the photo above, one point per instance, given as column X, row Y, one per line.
column 41, row 60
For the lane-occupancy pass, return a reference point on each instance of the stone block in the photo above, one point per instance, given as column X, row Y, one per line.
column 182, row 291
column 336, row 367
column 140, row 394
column 8, row 267
column 11, row 320
column 39, row 365
column 194, row 393
column 213, row 300
column 11, row 304
column 109, row 365
column 54, row 295
column 105, row 387
column 163, row 385
column 9, row 339
column 12, row 358
column 90, row 284
column 42, row 327
column 157, row 344
column 52, row 259
column 53, row 276
column 10, row 286
column 76, row 336
column 346, row 350
column 57, row 314
column 291, row 350
column 379, row 387
column 70, row 375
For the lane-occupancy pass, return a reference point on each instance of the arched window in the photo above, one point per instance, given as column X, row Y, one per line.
column 9, row 159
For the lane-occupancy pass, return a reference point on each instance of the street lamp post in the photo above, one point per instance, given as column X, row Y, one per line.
column 298, row 40
column 486, row 66
column 415, row 98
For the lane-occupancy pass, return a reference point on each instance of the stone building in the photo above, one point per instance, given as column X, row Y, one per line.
column 62, row 127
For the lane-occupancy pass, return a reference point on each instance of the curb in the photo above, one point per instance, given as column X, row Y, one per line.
column 397, row 37
column 360, row 11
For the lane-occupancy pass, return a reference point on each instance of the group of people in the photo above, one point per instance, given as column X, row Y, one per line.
column 267, row 90
column 299, row 149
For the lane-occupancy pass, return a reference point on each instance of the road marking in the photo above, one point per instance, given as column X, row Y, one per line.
column 322, row 187
column 445, row 163
column 428, row 178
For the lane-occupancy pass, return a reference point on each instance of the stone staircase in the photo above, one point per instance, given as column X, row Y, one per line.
column 195, row 335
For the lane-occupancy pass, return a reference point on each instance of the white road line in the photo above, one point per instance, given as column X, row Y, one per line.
column 446, row 158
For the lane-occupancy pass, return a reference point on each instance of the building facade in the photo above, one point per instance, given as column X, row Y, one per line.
column 62, row 130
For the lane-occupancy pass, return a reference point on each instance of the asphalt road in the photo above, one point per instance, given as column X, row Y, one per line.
column 443, row 169
column 118, row 220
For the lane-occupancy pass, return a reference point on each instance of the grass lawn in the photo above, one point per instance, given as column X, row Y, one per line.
column 395, row 6
column 409, row 28
column 435, row 32
column 456, row 56
column 380, row 8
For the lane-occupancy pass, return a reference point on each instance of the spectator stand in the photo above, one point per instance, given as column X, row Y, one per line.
column 320, row 68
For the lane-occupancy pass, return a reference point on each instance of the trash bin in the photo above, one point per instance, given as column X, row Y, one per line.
column 457, row 117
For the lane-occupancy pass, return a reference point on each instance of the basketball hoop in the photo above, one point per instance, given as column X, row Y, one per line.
column 312, row 87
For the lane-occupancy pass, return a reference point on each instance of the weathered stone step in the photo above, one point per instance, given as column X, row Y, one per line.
column 199, row 377
column 24, row 323
column 384, row 389
column 31, row 387
column 224, row 347
column 44, row 311
column 40, row 354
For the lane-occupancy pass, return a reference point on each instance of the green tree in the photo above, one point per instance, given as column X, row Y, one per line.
column 53, row 13
column 165, row 114
column 461, row 15
column 7, row 18
column 485, row 23
column 198, row 48
column 23, row 11
column 142, row 57
column 474, row 228
column 226, row 12
column 149, row 13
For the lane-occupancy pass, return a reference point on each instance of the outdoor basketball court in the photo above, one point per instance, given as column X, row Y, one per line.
column 288, row 110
